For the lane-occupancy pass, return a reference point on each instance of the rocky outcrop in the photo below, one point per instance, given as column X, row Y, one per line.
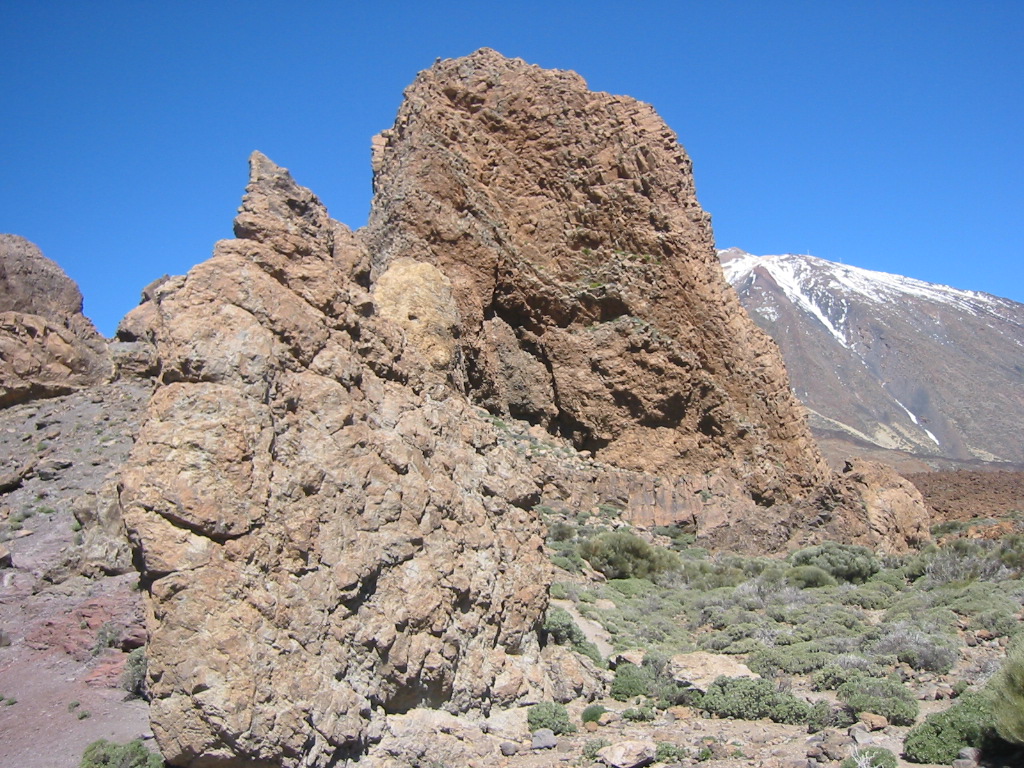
column 47, row 346
column 332, row 530
column 329, row 533
column 585, row 274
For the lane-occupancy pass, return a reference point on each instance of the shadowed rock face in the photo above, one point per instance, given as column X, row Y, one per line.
column 47, row 347
column 332, row 532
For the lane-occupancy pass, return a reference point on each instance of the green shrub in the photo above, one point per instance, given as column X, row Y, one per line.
column 593, row 713
column 939, row 739
column 1007, row 689
column 664, row 689
column 769, row 662
column 823, row 715
column 843, row 561
column 133, row 679
column 1011, row 551
column 873, row 596
column 870, row 757
column 999, row 623
column 106, row 637
column 965, row 560
column 809, row 577
column 913, row 646
column 638, row 714
column 630, row 681
column 549, row 714
column 593, row 746
column 667, row 752
column 107, row 754
column 888, row 698
column 561, row 531
column 563, row 630
column 747, row 699
column 831, row 677
column 651, row 680
column 620, row 554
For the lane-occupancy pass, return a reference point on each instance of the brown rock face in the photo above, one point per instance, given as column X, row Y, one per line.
column 331, row 531
column 329, row 535
column 47, row 347
column 584, row 269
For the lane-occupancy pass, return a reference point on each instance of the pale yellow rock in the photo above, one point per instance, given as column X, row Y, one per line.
column 417, row 297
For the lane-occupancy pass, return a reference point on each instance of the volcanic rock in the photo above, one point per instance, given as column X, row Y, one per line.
column 329, row 533
column 583, row 265
column 700, row 669
column 333, row 532
column 47, row 346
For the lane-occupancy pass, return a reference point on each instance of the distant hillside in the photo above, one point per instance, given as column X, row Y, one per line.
column 887, row 362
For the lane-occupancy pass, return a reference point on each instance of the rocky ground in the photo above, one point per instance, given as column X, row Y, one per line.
column 971, row 495
column 67, row 616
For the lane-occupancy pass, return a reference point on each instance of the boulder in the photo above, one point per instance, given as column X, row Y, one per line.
column 627, row 754
column 700, row 669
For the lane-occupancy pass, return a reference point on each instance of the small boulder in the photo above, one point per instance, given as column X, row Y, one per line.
column 701, row 669
column 607, row 718
column 872, row 721
column 543, row 738
column 628, row 754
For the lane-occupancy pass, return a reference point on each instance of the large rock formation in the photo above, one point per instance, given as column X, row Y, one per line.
column 47, row 346
column 332, row 532
column 329, row 533
column 585, row 273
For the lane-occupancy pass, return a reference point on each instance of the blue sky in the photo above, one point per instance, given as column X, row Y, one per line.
column 887, row 135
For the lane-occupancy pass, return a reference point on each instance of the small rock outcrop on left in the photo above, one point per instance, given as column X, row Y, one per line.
column 47, row 346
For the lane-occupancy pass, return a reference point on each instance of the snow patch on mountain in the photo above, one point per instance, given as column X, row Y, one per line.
column 795, row 274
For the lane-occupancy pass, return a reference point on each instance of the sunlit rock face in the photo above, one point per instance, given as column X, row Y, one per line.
column 334, row 532
column 47, row 346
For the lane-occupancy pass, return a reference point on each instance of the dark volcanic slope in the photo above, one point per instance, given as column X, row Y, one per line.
column 889, row 361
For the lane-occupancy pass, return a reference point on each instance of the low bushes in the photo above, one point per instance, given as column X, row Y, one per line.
column 623, row 555
column 549, row 714
column 1007, row 688
column 748, row 699
column 870, row 757
column 563, row 630
column 822, row 715
column 939, row 739
column 650, row 680
column 846, row 562
column 914, row 646
column 809, row 577
column 888, row 698
column 108, row 754
column 800, row 660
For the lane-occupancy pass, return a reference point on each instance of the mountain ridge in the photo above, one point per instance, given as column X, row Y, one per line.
column 890, row 362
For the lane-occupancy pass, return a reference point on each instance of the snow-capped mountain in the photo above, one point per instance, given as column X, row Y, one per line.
column 891, row 362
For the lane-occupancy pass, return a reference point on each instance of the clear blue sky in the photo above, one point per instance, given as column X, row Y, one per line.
column 889, row 135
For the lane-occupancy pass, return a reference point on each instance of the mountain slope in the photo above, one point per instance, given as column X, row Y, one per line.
column 891, row 362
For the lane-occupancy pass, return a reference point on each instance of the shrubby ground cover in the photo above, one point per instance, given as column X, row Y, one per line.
column 862, row 628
